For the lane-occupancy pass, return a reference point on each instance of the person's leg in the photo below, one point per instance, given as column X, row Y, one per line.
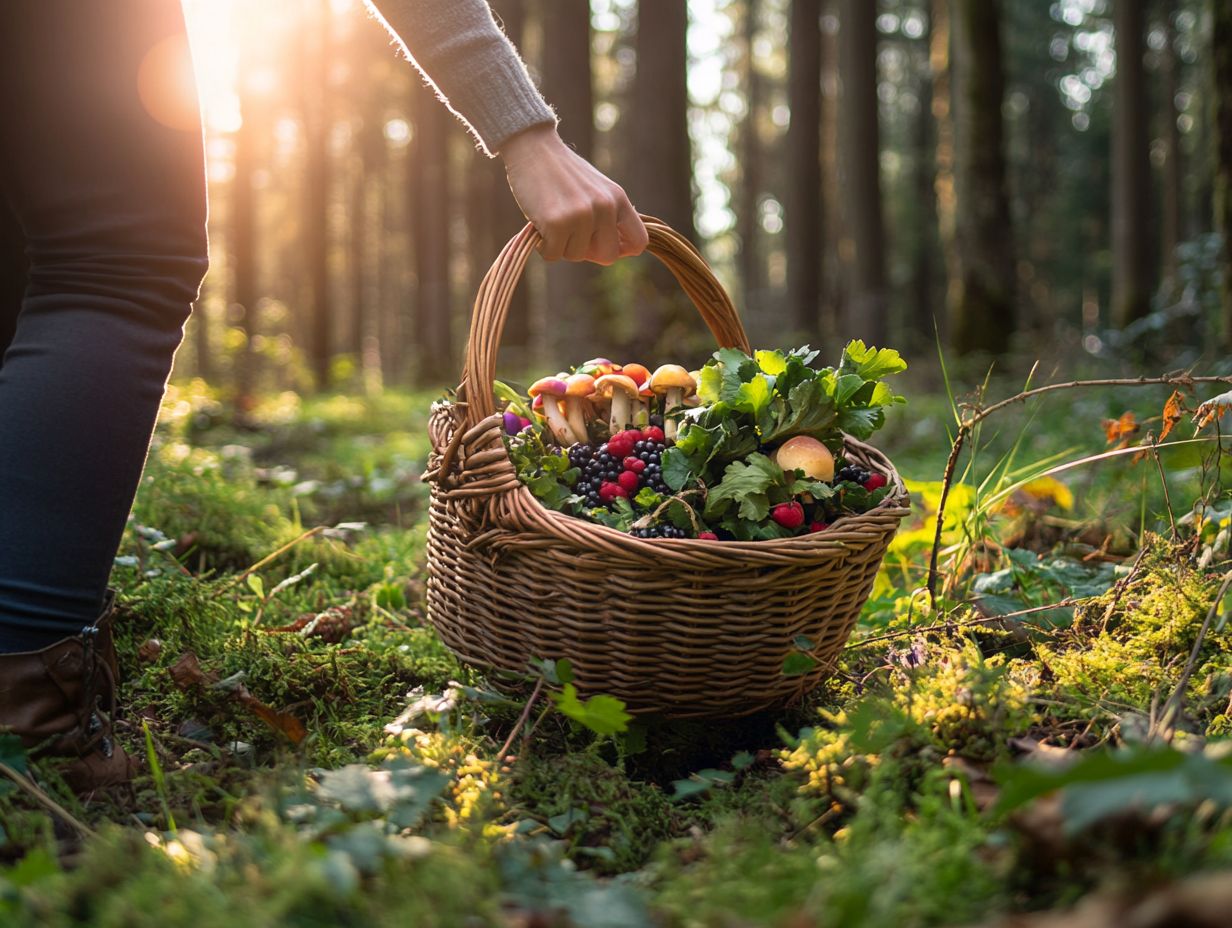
column 111, row 203
column 12, row 275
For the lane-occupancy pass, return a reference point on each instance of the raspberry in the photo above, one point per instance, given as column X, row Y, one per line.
column 630, row 435
column 789, row 515
column 652, row 433
column 818, row 527
column 628, row 480
column 875, row 482
column 707, row 536
column 637, row 465
column 610, row 491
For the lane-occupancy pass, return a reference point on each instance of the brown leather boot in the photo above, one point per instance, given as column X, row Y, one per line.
column 61, row 700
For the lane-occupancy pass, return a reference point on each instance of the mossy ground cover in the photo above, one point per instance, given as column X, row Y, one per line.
column 315, row 756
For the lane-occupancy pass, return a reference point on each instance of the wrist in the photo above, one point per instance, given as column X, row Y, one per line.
column 530, row 143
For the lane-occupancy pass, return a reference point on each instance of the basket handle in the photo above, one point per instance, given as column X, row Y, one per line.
column 496, row 291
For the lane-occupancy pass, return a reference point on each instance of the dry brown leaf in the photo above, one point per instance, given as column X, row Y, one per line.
column 1120, row 432
column 1213, row 409
column 1174, row 412
column 187, row 673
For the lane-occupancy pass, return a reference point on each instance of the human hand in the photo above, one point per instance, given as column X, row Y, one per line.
column 579, row 212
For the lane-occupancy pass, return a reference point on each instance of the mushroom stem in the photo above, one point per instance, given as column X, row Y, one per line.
column 620, row 411
column 576, row 418
column 673, row 398
column 557, row 422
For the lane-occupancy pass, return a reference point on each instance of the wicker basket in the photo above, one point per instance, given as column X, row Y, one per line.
column 679, row 627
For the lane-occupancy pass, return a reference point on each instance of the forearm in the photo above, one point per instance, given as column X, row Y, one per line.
column 476, row 70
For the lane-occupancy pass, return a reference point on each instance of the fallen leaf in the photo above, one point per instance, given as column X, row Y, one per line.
column 187, row 673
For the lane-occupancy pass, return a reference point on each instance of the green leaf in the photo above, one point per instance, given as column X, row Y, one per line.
column 647, row 498
column 745, row 482
column 809, row 410
column 869, row 362
column 602, row 714
column 257, row 585
column 771, row 362
column 564, row 670
column 798, row 663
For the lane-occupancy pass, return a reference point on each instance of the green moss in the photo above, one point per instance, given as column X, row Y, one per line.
column 610, row 822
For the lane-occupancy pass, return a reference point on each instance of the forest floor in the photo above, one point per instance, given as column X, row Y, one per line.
column 315, row 756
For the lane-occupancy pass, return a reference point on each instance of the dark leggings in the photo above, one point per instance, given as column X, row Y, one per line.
column 102, row 226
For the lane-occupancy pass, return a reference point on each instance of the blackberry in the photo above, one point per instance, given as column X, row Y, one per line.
column 579, row 454
column 657, row 421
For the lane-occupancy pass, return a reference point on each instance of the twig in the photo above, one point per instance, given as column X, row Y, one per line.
column 1119, row 588
column 1172, row 708
column 978, row 415
column 953, row 626
column 241, row 577
column 1163, row 481
column 534, row 696
column 44, row 800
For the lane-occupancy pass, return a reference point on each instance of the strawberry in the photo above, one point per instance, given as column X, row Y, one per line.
column 875, row 482
column 707, row 536
column 652, row 433
column 628, row 480
column 789, row 515
column 610, row 491
column 637, row 465
column 818, row 527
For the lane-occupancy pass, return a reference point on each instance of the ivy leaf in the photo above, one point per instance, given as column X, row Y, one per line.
column 602, row 714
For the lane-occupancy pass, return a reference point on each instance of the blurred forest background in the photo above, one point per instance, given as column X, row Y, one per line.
column 1017, row 177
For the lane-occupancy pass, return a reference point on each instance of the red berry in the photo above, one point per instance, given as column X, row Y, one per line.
column 652, row 433
column 707, row 536
column 632, row 436
column 637, row 465
column 789, row 515
column 618, row 448
column 609, row 491
column 628, row 480
column 875, row 482
column 818, row 526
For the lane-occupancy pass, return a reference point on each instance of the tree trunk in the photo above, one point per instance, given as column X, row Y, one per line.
column 428, row 163
column 924, row 180
column 660, row 176
column 867, row 308
column 243, row 240
column 1131, row 171
column 804, row 206
column 316, row 194
column 984, row 293
column 940, row 66
column 1221, row 131
column 1170, row 230
column 748, row 219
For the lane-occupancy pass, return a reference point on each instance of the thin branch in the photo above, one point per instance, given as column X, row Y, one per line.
column 954, row 626
column 241, row 577
column 500, row 755
column 39, row 796
column 1172, row 708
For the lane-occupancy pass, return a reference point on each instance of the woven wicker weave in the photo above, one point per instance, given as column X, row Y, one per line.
column 681, row 627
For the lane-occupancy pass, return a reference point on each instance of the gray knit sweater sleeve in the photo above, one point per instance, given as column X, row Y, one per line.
column 475, row 69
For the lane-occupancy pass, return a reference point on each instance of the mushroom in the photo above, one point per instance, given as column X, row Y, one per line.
column 673, row 383
column 638, row 373
column 623, row 393
column 553, row 390
column 580, row 386
column 597, row 367
column 807, row 454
